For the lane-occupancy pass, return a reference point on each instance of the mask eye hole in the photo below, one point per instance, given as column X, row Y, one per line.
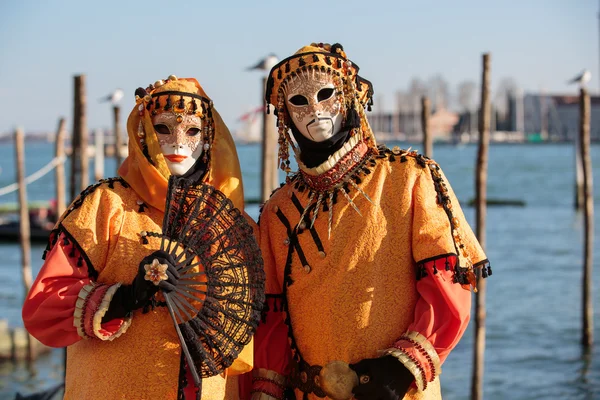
column 192, row 131
column 162, row 129
column 299, row 100
column 324, row 94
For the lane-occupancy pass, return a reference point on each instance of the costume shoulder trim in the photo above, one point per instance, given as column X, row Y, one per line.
column 68, row 240
column 396, row 154
column 110, row 182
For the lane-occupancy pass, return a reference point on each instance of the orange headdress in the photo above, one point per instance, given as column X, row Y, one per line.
column 145, row 168
column 354, row 92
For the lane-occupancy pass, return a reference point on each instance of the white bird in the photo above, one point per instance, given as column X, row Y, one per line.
column 584, row 77
column 265, row 64
column 114, row 97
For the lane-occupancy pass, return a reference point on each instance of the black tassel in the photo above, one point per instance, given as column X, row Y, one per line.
column 72, row 254
column 421, row 273
column 447, row 264
column 275, row 305
column 315, row 58
column 168, row 104
column 328, row 60
column 357, row 179
column 435, row 271
column 325, row 206
column 149, row 106
column 142, row 208
column 111, row 184
column 339, row 63
column 335, row 194
column 80, row 261
column 403, row 159
column 181, row 102
column 301, row 62
column 268, row 109
column 65, row 241
column 489, row 270
column 352, row 118
column 263, row 314
column 144, row 240
column 301, row 188
column 346, row 188
column 287, row 67
column 279, row 74
column 140, row 92
column 484, row 273
column 392, row 157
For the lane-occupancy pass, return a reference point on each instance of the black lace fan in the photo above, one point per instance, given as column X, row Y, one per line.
column 217, row 303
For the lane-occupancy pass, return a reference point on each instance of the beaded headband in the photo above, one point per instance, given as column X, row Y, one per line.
column 152, row 101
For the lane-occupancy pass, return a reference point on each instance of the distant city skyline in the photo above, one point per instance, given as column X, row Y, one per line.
column 540, row 44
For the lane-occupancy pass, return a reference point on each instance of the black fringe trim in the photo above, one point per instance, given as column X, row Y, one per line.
column 276, row 300
column 74, row 252
column 460, row 274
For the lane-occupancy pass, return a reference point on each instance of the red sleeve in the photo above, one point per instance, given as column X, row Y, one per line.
column 441, row 317
column 272, row 352
column 64, row 305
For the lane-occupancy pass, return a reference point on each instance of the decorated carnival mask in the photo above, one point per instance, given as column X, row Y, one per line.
column 314, row 105
column 180, row 139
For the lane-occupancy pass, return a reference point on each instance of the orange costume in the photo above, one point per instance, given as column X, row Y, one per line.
column 96, row 247
column 366, row 254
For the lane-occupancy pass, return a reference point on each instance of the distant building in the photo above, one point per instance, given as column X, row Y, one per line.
column 406, row 126
column 554, row 117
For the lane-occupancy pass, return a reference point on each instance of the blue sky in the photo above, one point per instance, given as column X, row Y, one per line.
column 126, row 44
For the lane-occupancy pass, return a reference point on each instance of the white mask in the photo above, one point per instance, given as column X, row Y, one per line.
column 314, row 105
column 180, row 142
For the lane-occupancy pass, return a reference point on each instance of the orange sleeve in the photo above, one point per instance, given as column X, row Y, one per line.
column 64, row 304
column 447, row 256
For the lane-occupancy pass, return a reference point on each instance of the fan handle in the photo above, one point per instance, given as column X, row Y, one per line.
column 188, row 356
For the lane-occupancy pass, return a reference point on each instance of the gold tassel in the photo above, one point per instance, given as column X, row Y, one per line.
column 319, row 200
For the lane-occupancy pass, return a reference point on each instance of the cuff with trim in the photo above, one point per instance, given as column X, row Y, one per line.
column 419, row 356
column 92, row 303
column 267, row 385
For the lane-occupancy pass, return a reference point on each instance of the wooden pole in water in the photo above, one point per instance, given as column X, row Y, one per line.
column 99, row 154
column 24, row 227
column 75, row 139
column 117, row 133
column 579, row 197
column 427, row 139
column 82, row 122
column 480, row 217
column 60, row 168
column 270, row 179
column 588, row 219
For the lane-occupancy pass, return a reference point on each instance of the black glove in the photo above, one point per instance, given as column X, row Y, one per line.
column 137, row 295
column 383, row 378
